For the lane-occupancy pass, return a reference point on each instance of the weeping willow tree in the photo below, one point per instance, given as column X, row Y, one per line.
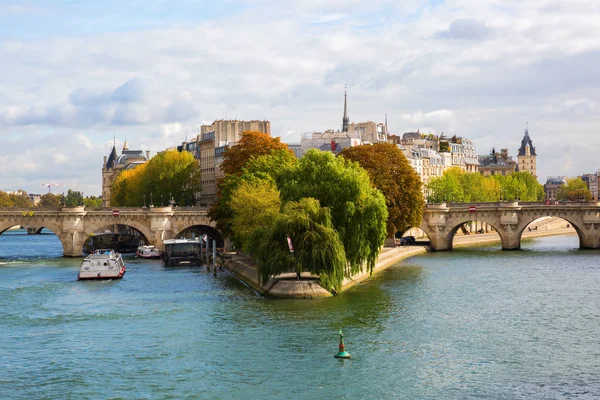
column 317, row 246
column 358, row 210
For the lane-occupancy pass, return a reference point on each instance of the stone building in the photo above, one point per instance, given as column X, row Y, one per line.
column 526, row 159
column 352, row 134
column 212, row 142
column 551, row 186
column 497, row 163
column 591, row 181
column 114, row 164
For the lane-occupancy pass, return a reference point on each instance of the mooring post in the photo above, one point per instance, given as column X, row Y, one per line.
column 215, row 256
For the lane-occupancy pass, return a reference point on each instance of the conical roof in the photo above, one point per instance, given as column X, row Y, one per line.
column 112, row 158
column 526, row 142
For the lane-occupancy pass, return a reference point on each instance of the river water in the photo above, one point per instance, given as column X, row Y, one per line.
column 477, row 323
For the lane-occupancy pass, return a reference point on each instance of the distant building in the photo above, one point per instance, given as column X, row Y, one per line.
column 212, row 142
column 551, row 186
column 35, row 198
column 114, row 164
column 296, row 148
column 526, row 159
column 592, row 183
column 497, row 163
column 352, row 134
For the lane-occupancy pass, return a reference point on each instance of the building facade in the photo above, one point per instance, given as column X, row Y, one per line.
column 497, row 163
column 212, row 141
column 551, row 186
column 114, row 164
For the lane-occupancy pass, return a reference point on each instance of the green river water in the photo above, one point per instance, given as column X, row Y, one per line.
column 469, row 324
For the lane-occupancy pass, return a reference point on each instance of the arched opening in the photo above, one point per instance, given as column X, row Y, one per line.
column 122, row 238
column 197, row 231
column 561, row 233
column 413, row 236
column 17, row 244
column 474, row 233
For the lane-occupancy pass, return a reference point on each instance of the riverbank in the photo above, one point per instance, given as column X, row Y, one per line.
column 288, row 286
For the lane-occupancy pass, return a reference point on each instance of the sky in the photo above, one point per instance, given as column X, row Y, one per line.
column 76, row 73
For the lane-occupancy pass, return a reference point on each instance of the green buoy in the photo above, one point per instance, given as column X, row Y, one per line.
column 342, row 353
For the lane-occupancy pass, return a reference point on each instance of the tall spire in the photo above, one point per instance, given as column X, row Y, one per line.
column 386, row 127
column 345, row 120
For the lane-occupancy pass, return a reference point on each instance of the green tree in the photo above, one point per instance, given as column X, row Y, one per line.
column 73, row 199
column 251, row 144
column 358, row 210
column 391, row 173
column 92, row 201
column 49, row 200
column 5, row 200
column 574, row 190
column 317, row 246
column 168, row 175
column 255, row 203
column 21, row 199
column 446, row 188
column 268, row 166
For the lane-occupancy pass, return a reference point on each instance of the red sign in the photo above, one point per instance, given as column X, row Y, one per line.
column 472, row 208
column 290, row 244
column 116, row 213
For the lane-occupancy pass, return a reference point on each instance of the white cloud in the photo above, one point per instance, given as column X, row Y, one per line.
column 156, row 86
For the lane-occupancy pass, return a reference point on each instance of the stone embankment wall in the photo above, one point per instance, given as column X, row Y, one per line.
column 287, row 286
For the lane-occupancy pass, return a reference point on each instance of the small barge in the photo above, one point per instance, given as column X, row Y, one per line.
column 148, row 252
column 102, row 264
column 182, row 252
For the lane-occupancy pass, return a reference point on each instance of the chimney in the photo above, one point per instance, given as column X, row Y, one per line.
column 147, row 154
column 504, row 153
column 104, row 162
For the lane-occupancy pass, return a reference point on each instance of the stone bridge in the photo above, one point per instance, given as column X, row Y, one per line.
column 74, row 225
column 442, row 221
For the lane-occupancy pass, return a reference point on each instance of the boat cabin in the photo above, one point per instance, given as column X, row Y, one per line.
column 182, row 252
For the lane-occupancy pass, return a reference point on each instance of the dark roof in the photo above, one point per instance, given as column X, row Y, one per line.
column 112, row 159
column 527, row 141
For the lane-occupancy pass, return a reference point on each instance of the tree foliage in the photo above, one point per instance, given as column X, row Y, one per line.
column 391, row 173
column 317, row 246
column 268, row 166
column 358, row 210
column 72, row 199
column 49, row 200
column 459, row 186
column 251, row 144
column 5, row 200
column 254, row 203
column 574, row 190
column 168, row 175
column 21, row 199
column 92, row 201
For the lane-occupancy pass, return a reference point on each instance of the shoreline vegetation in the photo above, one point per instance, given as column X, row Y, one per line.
column 287, row 286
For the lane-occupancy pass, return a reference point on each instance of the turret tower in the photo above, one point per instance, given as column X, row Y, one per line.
column 526, row 159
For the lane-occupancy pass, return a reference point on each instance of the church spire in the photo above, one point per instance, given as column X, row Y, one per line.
column 345, row 120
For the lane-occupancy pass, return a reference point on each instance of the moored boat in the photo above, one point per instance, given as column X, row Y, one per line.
column 148, row 252
column 102, row 264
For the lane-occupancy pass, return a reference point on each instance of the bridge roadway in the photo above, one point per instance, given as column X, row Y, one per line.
column 510, row 219
column 74, row 225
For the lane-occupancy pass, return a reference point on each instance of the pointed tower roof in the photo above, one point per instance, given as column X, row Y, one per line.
column 112, row 158
column 125, row 145
column 345, row 120
column 526, row 142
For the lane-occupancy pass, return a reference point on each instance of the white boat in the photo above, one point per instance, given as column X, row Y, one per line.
column 102, row 264
column 148, row 252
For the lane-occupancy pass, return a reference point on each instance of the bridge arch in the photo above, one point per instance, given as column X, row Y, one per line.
column 95, row 226
column 493, row 222
column 54, row 226
column 197, row 228
column 531, row 219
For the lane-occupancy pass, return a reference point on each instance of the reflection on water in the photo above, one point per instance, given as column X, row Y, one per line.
column 467, row 324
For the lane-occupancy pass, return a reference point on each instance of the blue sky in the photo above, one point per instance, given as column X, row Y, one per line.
column 74, row 73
